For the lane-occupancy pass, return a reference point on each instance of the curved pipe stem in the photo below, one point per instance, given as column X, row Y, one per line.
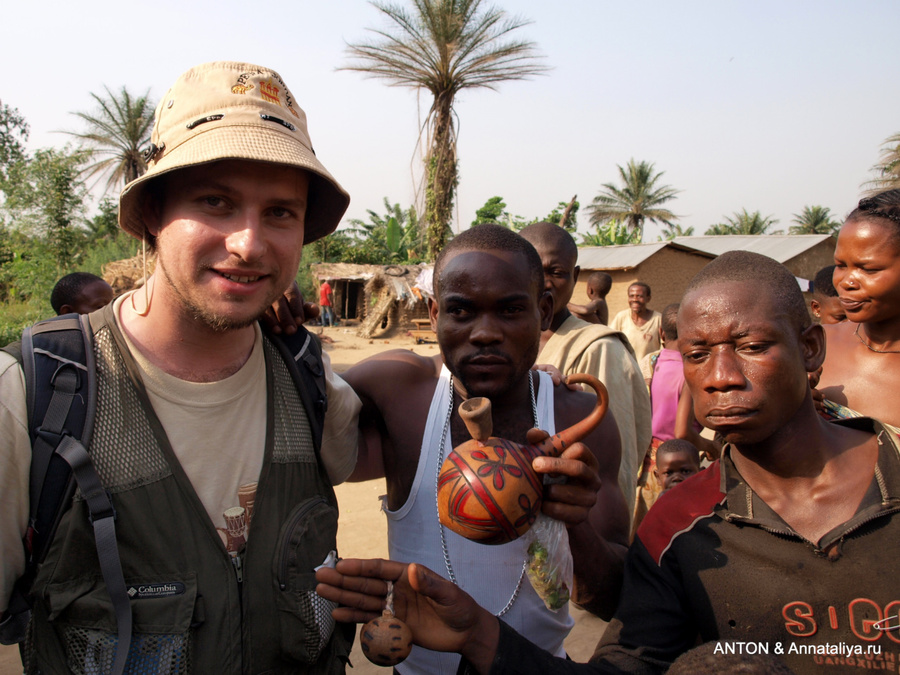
column 556, row 444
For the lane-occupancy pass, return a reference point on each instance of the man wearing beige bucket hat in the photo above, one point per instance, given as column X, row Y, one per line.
column 204, row 435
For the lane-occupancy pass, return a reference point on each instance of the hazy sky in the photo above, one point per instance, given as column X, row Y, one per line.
column 764, row 105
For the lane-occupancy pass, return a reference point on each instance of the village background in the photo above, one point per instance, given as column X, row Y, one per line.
column 751, row 112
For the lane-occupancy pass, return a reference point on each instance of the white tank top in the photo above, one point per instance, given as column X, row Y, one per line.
column 487, row 573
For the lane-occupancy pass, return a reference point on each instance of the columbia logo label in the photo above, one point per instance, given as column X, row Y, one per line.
column 159, row 590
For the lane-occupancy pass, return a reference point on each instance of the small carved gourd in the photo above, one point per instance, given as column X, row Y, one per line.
column 487, row 490
column 386, row 640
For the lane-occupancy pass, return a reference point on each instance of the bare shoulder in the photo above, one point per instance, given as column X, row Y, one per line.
column 391, row 369
column 839, row 335
column 571, row 406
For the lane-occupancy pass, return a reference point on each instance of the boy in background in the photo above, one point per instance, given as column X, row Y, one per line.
column 826, row 305
column 80, row 293
column 596, row 310
column 676, row 460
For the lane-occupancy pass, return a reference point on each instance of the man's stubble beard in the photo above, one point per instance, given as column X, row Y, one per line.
column 213, row 321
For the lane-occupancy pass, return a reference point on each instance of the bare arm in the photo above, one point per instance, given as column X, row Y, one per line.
column 589, row 312
column 384, row 383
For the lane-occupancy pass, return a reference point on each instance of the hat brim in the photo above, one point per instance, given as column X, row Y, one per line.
column 328, row 201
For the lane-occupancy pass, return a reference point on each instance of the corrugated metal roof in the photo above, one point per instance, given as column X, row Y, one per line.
column 628, row 256
column 781, row 247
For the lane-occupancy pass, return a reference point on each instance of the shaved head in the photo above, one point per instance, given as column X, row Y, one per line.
column 489, row 237
column 553, row 237
column 669, row 323
column 767, row 275
column 601, row 282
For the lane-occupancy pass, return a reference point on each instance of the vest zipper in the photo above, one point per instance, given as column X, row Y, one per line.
column 285, row 553
column 238, row 563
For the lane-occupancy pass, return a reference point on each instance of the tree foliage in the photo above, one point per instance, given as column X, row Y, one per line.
column 389, row 238
column 494, row 212
column 887, row 171
column 567, row 210
column 815, row 220
column 116, row 135
column 640, row 197
column 443, row 47
column 675, row 230
column 744, row 222
column 611, row 233
column 43, row 231
column 45, row 197
column 13, row 136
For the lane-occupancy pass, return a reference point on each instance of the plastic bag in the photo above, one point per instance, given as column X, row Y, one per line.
column 549, row 566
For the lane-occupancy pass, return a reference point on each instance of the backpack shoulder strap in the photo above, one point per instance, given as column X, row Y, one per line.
column 303, row 355
column 60, row 381
column 57, row 359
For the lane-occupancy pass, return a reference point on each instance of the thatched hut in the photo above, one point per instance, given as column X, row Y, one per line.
column 123, row 275
column 383, row 298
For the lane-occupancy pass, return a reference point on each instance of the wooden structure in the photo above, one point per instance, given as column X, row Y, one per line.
column 385, row 299
column 422, row 331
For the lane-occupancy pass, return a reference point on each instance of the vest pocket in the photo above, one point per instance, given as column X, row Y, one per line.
column 306, row 539
column 162, row 613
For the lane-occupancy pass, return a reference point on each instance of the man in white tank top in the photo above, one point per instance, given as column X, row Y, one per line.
column 489, row 311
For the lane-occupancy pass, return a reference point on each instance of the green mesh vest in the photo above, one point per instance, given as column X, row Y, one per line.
column 196, row 609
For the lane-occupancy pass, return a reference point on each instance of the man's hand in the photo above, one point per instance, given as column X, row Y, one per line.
column 440, row 615
column 289, row 311
column 556, row 375
column 570, row 501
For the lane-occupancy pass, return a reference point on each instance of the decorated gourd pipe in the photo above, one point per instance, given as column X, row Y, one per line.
column 487, row 490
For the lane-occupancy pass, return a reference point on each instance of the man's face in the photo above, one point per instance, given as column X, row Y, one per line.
column 638, row 297
column 560, row 273
column 488, row 318
column 229, row 239
column 744, row 361
column 674, row 467
column 95, row 295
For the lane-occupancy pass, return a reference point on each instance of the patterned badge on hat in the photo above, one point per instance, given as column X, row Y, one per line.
column 243, row 85
column 269, row 92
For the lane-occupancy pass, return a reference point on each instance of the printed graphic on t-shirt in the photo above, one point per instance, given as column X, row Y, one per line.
column 237, row 519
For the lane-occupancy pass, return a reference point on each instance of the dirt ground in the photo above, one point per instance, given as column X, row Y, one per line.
column 362, row 530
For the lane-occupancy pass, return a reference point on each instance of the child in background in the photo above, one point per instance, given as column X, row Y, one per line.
column 676, row 460
column 80, row 293
column 826, row 305
column 596, row 311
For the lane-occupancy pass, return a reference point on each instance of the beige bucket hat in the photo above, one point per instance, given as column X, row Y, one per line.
column 228, row 110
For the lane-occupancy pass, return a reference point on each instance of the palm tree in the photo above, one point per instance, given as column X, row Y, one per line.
column 671, row 231
column 745, row 222
column 116, row 134
column 639, row 199
column 888, row 167
column 444, row 46
column 814, row 220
